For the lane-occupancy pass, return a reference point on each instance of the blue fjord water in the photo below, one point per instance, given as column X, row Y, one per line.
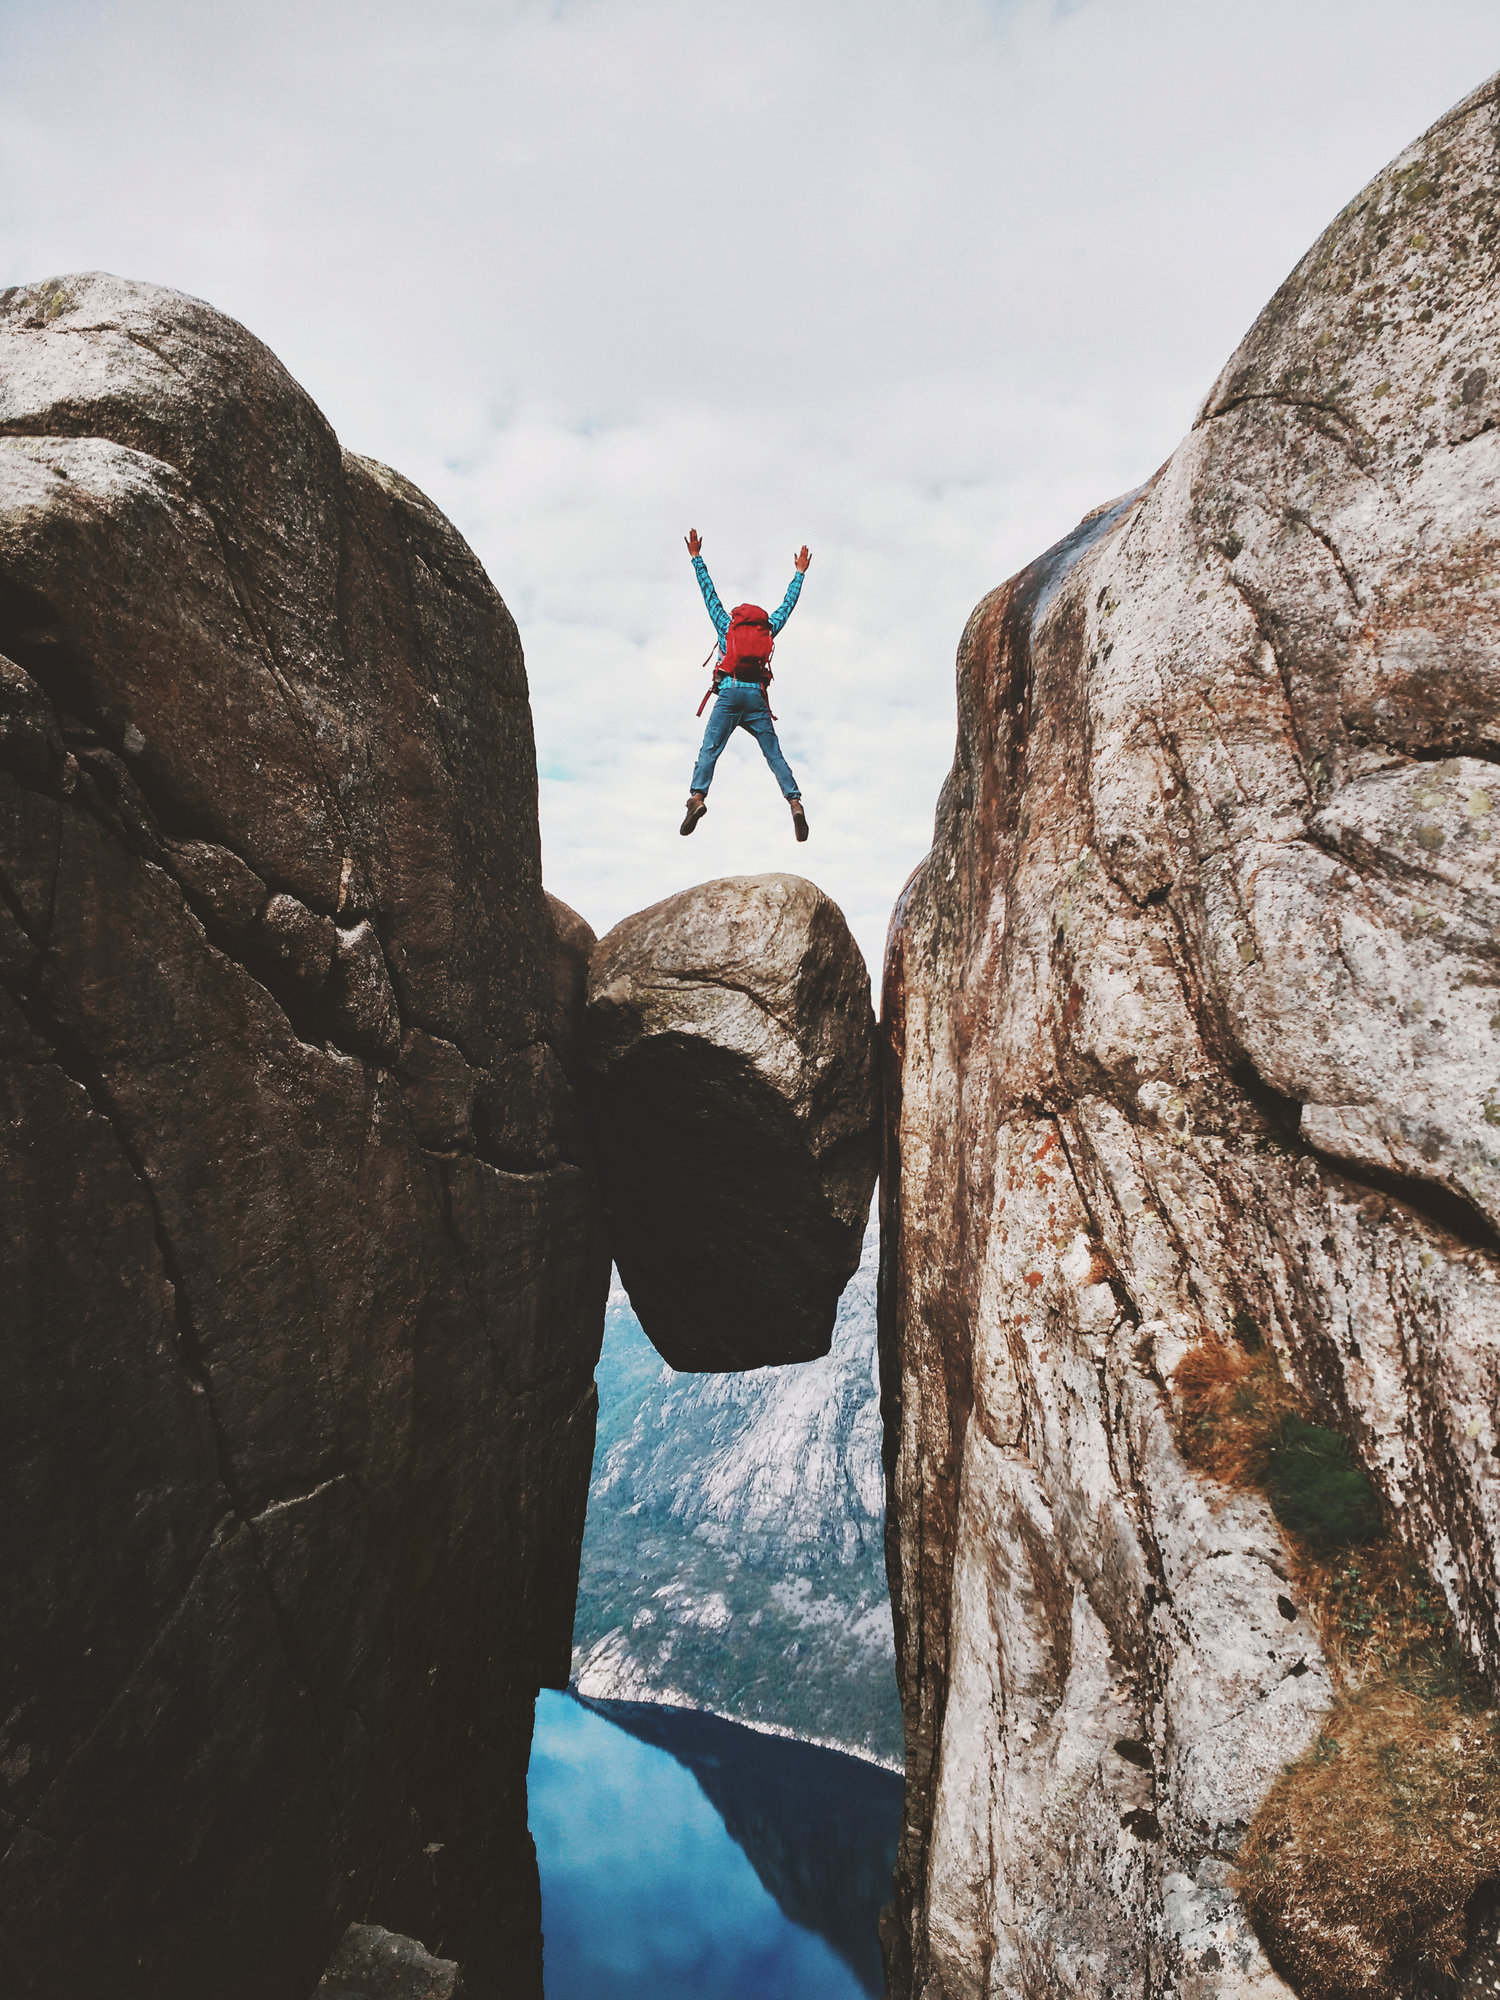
column 687, row 1858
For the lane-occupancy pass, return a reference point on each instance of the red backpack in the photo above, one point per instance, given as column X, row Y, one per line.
column 748, row 646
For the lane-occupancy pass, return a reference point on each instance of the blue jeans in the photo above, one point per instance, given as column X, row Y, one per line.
column 742, row 706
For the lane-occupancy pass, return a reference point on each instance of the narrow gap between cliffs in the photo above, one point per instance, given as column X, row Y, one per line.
column 733, row 1623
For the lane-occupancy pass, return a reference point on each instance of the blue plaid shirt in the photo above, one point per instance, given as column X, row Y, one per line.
column 720, row 616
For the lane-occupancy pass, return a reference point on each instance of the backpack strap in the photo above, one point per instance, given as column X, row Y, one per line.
column 718, row 676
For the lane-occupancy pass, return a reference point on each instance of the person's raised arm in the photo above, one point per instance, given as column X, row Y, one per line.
column 716, row 610
column 788, row 603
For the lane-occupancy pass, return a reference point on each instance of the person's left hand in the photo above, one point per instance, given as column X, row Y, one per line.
column 802, row 559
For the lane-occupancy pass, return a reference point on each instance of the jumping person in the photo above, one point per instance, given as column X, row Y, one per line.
column 746, row 636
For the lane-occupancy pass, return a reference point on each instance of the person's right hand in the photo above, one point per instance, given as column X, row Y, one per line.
column 694, row 542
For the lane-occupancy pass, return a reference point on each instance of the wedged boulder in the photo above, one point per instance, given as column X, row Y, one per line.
column 303, row 1286
column 729, row 1039
column 1194, row 1018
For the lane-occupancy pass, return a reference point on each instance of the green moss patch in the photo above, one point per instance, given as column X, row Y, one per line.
column 1317, row 1490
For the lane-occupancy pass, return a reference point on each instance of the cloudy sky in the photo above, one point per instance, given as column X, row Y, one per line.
column 916, row 284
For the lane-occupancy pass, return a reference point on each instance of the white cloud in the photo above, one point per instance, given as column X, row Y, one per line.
column 917, row 285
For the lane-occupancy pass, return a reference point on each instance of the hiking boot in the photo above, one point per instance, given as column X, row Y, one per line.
column 697, row 806
column 799, row 820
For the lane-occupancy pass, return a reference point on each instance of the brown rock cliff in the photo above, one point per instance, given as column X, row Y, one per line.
column 304, row 1291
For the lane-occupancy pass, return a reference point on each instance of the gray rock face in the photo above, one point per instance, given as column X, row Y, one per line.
column 304, row 1291
column 1194, row 1027
column 374, row 1964
column 730, row 1044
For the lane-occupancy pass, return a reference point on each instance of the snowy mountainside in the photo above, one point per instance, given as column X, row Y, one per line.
column 734, row 1554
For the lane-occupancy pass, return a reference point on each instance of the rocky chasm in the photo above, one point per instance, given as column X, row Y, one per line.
column 322, row 1124
column 1195, row 1080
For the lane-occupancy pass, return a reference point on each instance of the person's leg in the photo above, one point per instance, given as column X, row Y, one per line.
column 721, row 721
column 758, row 721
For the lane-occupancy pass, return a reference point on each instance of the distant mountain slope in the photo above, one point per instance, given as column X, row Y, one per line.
column 734, row 1558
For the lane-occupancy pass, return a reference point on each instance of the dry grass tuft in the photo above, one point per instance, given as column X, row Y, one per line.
column 1380, row 1617
column 1230, row 1404
column 1363, row 1856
